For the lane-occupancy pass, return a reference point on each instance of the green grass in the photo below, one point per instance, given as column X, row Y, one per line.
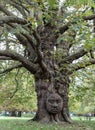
column 9, row 123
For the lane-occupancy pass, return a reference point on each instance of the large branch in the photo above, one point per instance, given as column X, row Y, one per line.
column 80, row 65
column 18, row 35
column 19, row 6
column 37, row 50
column 39, row 53
column 23, row 38
column 4, row 10
column 11, row 68
column 5, row 58
column 90, row 17
column 27, row 40
column 36, row 36
column 74, row 56
column 11, row 19
column 25, row 62
column 66, row 26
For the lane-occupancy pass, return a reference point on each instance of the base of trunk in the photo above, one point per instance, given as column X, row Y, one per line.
column 52, row 104
column 53, row 118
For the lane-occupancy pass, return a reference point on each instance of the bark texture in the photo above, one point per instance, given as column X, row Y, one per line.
column 52, row 102
column 52, row 88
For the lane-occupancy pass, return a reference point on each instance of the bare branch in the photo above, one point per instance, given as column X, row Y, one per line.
column 23, row 38
column 63, row 29
column 90, row 17
column 5, row 58
column 11, row 19
column 75, row 56
column 29, row 39
column 37, row 37
column 25, row 62
column 36, row 48
column 4, row 10
column 26, row 40
column 20, row 7
column 29, row 2
column 80, row 65
column 17, row 85
column 30, row 44
column 11, row 68
column 66, row 26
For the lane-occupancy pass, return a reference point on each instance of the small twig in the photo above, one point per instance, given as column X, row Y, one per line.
column 17, row 84
column 11, row 68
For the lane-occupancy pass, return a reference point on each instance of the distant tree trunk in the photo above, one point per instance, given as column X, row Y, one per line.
column 19, row 113
column 13, row 113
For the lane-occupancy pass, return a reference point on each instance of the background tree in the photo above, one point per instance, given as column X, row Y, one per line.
column 82, row 91
column 15, row 92
column 50, row 41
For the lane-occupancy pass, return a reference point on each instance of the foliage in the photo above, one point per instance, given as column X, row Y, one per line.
column 82, row 91
column 17, row 91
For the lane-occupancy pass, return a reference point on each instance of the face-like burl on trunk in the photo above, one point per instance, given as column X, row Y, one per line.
column 54, row 103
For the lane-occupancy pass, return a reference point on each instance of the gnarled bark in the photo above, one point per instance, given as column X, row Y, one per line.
column 52, row 101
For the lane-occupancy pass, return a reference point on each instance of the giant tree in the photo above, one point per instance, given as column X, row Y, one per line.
column 51, row 40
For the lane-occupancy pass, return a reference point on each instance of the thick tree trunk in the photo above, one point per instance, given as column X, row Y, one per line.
column 52, row 88
column 52, row 102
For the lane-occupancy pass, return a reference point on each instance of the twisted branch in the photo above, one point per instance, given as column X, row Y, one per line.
column 74, row 56
column 11, row 19
column 81, row 65
column 15, row 56
column 66, row 26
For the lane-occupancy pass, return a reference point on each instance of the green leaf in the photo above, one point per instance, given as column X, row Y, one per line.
column 52, row 2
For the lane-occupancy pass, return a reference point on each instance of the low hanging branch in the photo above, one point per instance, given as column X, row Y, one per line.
column 25, row 62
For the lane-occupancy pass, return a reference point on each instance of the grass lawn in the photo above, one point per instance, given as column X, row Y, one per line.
column 9, row 123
